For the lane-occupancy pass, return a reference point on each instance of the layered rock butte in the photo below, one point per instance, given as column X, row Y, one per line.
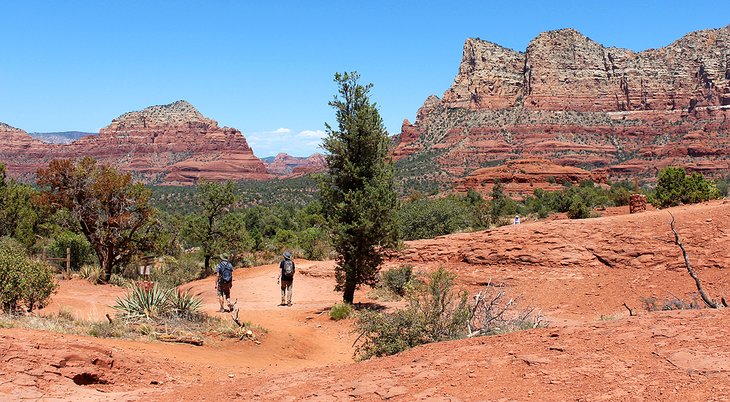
column 574, row 102
column 167, row 144
column 285, row 165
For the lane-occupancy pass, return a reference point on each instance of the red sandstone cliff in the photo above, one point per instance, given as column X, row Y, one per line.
column 575, row 102
column 285, row 165
column 168, row 144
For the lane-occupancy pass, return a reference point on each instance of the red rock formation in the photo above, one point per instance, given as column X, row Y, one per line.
column 168, row 144
column 522, row 177
column 574, row 102
column 285, row 165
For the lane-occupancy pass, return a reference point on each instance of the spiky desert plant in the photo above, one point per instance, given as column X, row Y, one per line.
column 144, row 303
column 185, row 304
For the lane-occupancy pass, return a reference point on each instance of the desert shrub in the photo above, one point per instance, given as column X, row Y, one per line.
column 314, row 243
column 81, row 252
column 427, row 218
column 107, row 329
column 91, row 272
column 494, row 313
column 578, row 209
column 396, row 279
column 173, row 272
column 674, row 187
column 435, row 312
column 23, row 280
column 340, row 311
column 118, row 280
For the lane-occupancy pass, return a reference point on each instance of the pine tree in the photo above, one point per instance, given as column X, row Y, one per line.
column 357, row 192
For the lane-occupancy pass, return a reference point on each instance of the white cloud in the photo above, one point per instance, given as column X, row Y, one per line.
column 297, row 143
column 312, row 134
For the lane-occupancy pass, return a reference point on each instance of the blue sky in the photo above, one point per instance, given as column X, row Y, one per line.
column 266, row 67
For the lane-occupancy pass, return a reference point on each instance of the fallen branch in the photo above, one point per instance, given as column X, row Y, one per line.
column 631, row 312
column 179, row 339
column 709, row 302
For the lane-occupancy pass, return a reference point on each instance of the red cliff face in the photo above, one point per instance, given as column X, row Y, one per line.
column 574, row 102
column 285, row 165
column 168, row 144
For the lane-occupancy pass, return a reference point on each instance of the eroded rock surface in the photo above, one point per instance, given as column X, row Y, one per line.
column 169, row 144
column 577, row 103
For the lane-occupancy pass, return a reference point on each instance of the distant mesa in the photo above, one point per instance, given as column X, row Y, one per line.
column 574, row 102
column 62, row 137
column 165, row 144
column 294, row 166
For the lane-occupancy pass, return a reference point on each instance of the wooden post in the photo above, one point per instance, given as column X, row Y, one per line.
column 68, row 262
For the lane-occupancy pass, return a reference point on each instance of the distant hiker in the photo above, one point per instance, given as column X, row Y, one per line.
column 517, row 220
column 224, row 270
column 286, row 278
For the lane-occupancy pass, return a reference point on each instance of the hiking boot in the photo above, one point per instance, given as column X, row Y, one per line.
column 288, row 304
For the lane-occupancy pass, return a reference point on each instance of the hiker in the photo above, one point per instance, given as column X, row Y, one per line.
column 224, row 282
column 517, row 220
column 286, row 278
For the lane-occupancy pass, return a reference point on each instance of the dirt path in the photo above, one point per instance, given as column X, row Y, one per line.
column 592, row 351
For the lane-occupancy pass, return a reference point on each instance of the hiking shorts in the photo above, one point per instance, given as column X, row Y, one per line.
column 224, row 288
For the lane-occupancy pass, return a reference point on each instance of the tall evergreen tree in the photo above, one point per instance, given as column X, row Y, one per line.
column 357, row 192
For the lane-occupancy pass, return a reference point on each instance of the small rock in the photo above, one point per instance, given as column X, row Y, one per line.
column 231, row 375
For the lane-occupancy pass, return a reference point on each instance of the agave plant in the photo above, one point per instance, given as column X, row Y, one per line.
column 141, row 302
column 184, row 303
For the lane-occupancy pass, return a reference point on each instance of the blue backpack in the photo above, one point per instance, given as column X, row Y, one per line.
column 225, row 270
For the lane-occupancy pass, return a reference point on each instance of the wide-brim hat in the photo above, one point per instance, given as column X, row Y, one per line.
column 224, row 257
column 287, row 254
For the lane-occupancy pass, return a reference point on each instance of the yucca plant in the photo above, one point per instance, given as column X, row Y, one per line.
column 91, row 273
column 184, row 303
column 143, row 302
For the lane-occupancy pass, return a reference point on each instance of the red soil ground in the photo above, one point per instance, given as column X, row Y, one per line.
column 578, row 273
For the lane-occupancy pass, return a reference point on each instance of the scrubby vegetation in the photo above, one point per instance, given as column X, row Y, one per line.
column 675, row 187
column 437, row 311
column 24, row 281
column 340, row 311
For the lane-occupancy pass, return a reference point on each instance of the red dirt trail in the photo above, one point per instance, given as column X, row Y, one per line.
column 578, row 273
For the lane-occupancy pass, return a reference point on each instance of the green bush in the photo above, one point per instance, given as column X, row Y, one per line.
column 340, row 311
column 674, row 187
column 81, row 252
column 172, row 272
column 427, row 218
column 435, row 312
column 578, row 209
column 396, row 279
column 23, row 280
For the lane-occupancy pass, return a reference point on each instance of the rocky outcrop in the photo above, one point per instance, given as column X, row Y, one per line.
column 521, row 177
column 284, row 165
column 575, row 102
column 167, row 144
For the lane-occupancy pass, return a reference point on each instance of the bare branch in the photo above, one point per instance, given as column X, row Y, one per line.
column 709, row 302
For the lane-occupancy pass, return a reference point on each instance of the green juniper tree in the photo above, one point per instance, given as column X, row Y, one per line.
column 215, row 228
column 357, row 192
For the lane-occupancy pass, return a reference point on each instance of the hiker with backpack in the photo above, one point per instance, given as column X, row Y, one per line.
column 224, row 282
column 286, row 278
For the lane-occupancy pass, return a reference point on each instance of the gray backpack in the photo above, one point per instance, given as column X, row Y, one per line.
column 288, row 268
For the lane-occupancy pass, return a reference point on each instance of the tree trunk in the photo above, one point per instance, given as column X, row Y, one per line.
column 350, row 284
column 206, row 267
column 107, row 265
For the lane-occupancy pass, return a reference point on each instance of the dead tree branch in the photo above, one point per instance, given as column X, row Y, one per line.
column 709, row 302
